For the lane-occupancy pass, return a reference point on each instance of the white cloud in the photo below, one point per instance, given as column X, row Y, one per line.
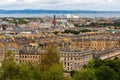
column 61, row 4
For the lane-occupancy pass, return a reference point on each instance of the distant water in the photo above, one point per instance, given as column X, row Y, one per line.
column 89, row 15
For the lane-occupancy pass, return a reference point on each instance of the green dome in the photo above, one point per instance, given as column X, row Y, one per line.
column 113, row 31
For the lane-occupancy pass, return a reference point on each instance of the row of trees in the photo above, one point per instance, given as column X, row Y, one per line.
column 99, row 70
column 48, row 69
column 116, row 24
column 76, row 32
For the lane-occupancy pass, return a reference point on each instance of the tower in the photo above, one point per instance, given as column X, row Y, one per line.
column 54, row 21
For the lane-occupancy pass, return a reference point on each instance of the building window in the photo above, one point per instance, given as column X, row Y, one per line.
column 71, row 68
column 64, row 63
column 68, row 68
column 64, row 58
column 36, row 56
column 68, row 64
column 25, row 56
column 75, row 58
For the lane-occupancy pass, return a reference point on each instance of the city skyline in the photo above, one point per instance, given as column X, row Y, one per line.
column 97, row 5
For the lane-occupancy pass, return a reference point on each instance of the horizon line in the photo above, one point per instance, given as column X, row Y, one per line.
column 64, row 10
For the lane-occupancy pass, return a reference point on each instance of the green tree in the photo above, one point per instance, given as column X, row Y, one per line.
column 49, row 58
column 110, row 63
column 91, row 64
column 116, row 66
column 56, row 32
column 98, row 63
column 9, row 69
column 56, row 72
column 72, row 73
column 105, row 73
column 67, row 78
column 36, row 73
column 25, row 72
column 53, row 70
column 46, row 75
column 85, row 74
column 50, row 66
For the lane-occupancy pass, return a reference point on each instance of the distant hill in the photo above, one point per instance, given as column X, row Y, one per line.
column 28, row 11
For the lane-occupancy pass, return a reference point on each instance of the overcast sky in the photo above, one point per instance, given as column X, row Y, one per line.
column 100, row 5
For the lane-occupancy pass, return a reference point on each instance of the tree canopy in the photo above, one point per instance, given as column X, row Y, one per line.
column 99, row 70
column 10, row 70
